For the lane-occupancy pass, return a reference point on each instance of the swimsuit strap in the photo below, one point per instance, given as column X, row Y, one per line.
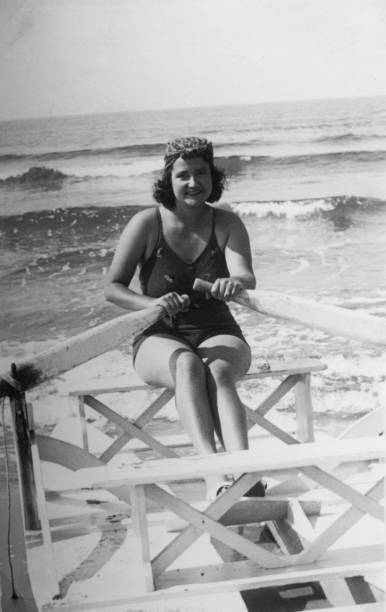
column 213, row 235
column 160, row 235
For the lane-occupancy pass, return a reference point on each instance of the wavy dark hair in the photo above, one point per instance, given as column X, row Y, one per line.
column 163, row 190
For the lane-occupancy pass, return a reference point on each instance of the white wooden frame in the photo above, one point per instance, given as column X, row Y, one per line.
column 296, row 375
column 318, row 558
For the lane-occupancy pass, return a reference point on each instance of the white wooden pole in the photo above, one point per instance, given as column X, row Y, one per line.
column 331, row 319
column 82, row 347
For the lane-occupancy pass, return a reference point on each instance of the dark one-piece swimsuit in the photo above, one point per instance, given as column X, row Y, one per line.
column 165, row 271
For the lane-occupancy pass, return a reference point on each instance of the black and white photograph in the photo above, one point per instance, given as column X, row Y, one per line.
column 193, row 305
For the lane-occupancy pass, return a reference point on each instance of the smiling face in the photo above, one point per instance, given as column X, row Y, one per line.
column 191, row 181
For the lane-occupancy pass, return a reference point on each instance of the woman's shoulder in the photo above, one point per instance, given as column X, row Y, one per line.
column 144, row 219
column 226, row 219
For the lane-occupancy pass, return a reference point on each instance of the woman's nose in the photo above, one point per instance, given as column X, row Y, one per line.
column 192, row 181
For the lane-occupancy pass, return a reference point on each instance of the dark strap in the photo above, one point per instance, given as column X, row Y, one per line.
column 213, row 223
column 159, row 230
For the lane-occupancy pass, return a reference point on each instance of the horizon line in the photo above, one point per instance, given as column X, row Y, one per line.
column 182, row 108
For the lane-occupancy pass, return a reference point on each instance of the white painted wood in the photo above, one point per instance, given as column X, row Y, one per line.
column 105, row 389
column 285, row 368
column 286, row 385
column 345, row 491
column 303, row 407
column 340, row 526
column 331, row 319
column 315, row 473
column 206, row 524
column 83, row 347
column 297, row 517
column 241, row 575
column 139, row 518
column 128, row 427
column 337, row 592
column 253, row 510
column 142, row 420
column 371, row 424
column 286, row 537
column 277, row 368
column 191, row 467
column 51, row 579
column 217, row 509
column 83, row 423
column 378, row 606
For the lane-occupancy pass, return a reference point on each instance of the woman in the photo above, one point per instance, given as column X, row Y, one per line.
column 197, row 349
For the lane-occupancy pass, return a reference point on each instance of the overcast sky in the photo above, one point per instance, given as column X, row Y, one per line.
column 61, row 57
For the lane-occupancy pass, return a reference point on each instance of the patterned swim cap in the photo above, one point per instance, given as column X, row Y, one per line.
column 188, row 147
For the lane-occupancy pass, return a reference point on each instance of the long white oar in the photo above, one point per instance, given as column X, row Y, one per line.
column 331, row 319
column 78, row 349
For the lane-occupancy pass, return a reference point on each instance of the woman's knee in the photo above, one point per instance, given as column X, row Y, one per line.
column 227, row 357
column 188, row 366
column 222, row 373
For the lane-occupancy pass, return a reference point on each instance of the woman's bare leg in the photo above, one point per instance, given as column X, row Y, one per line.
column 162, row 360
column 227, row 359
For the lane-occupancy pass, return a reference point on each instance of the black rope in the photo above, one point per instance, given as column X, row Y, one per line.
column 14, row 594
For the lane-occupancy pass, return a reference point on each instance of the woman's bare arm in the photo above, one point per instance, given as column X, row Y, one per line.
column 238, row 254
column 129, row 252
column 234, row 240
column 136, row 242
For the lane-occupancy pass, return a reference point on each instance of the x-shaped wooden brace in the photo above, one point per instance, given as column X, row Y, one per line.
column 199, row 523
column 132, row 429
column 208, row 521
column 273, row 398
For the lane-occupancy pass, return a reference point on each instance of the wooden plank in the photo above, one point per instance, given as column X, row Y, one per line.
column 276, row 395
column 336, row 590
column 65, row 454
column 365, row 504
column 256, row 510
column 104, row 389
column 277, row 368
column 140, row 422
column 331, row 319
column 340, row 526
column 24, row 462
column 239, row 576
column 14, row 574
column 138, row 509
column 205, row 524
column 216, row 510
column 285, row 536
column 371, row 424
column 298, row 518
column 50, row 575
column 83, row 423
column 378, row 606
column 285, row 368
column 273, row 429
column 191, row 467
column 303, row 407
column 83, row 347
column 242, row 575
column 322, row 477
column 129, row 427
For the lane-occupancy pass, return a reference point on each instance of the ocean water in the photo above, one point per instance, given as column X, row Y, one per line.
column 308, row 179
